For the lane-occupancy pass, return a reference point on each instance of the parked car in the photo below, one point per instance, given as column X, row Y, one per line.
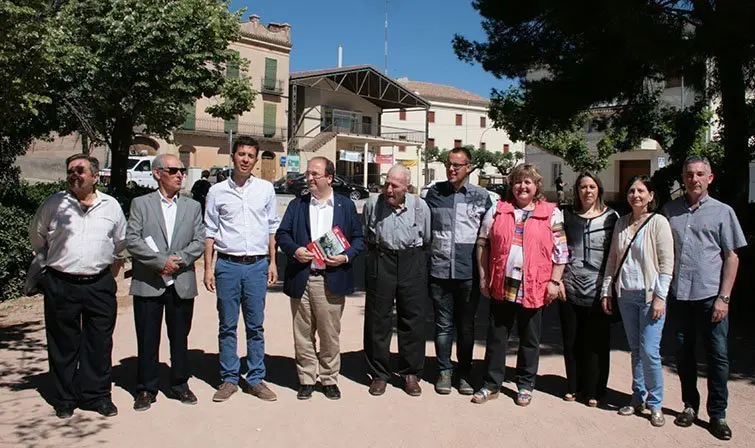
column 225, row 171
column 501, row 189
column 298, row 187
column 138, row 172
column 283, row 184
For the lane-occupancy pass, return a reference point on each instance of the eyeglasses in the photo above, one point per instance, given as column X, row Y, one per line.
column 76, row 170
column 314, row 175
column 174, row 170
column 456, row 166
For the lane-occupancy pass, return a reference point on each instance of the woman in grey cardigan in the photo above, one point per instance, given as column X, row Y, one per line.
column 585, row 328
column 639, row 269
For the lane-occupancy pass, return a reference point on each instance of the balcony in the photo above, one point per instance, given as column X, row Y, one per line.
column 371, row 130
column 215, row 127
column 271, row 86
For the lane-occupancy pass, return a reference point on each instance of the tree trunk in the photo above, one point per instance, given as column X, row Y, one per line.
column 119, row 146
column 736, row 165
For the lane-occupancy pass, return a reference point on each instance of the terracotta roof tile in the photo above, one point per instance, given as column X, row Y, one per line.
column 441, row 92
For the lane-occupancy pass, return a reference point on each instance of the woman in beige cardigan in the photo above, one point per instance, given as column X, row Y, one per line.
column 643, row 241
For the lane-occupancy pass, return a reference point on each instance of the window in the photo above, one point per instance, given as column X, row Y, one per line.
column 431, row 116
column 402, row 115
column 191, row 116
column 482, row 122
column 673, row 81
column 232, row 69
column 144, row 166
column 268, row 120
column 429, row 174
column 457, row 143
column 458, row 120
column 401, row 148
column 482, row 145
column 505, row 148
column 431, row 143
column 367, row 125
column 271, row 74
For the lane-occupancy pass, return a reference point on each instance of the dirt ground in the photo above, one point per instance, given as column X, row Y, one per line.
column 358, row 419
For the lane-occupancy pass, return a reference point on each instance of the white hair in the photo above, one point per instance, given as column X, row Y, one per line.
column 401, row 169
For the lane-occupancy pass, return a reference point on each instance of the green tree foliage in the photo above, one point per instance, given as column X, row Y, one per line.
column 503, row 162
column 123, row 64
column 570, row 58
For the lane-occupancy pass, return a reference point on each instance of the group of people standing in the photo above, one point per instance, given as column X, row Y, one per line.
column 432, row 257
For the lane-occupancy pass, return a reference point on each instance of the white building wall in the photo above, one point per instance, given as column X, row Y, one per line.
column 314, row 99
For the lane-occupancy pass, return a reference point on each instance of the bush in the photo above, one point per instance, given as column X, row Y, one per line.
column 15, row 250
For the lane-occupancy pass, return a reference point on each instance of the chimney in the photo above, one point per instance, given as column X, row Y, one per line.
column 340, row 56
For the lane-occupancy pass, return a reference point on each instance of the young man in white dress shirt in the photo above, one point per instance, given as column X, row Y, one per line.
column 80, row 234
column 241, row 218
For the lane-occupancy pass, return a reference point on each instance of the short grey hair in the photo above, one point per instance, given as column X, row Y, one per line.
column 159, row 162
column 401, row 169
column 696, row 159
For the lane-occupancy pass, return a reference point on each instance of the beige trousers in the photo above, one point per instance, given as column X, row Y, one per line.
column 317, row 314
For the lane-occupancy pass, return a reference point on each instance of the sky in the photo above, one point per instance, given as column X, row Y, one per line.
column 419, row 37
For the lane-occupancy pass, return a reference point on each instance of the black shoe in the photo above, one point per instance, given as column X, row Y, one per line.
column 720, row 429
column 106, row 408
column 143, row 401
column 64, row 412
column 185, row 395
column 305, row 391
column 331, row 392
column 686, row 418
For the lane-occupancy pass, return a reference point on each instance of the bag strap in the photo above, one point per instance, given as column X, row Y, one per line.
column 626, row 252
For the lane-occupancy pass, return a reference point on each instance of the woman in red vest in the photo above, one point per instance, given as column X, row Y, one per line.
column 521, row 253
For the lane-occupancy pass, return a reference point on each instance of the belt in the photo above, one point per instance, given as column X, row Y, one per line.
column 243, row 259
column 394, row 252
column 317, row 272
column 76, row 278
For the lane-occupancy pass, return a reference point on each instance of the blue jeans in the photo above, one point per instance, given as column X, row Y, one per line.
column 455, row 303
column 644, row 337
column 691, row 316
column 244, row 286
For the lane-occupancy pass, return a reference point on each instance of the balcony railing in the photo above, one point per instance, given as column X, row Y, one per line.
column 372, row 130
column 272, row 86
column 218, row 126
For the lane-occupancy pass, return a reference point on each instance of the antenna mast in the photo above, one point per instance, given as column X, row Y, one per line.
column 386, row 37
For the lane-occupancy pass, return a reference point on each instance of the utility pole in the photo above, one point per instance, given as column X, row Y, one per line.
column 386, row 37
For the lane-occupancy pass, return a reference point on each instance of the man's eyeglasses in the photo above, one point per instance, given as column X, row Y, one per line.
column 174, row 170
column 456, row 166
column 76, row 170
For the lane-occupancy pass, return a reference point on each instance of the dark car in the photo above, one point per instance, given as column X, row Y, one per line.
column 354, row 191
column 501, row 189
column 282, row 185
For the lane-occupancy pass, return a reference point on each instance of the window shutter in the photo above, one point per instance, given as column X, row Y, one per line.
column 190, row 122
column 232, row 125
column 270, row 111
column 232, row 70
column 271, row 74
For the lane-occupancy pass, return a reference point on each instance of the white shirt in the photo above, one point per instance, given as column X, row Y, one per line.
column 320, row 220
column 241, row 218
column 169, row 215
column 76, row 241
column 631, row 278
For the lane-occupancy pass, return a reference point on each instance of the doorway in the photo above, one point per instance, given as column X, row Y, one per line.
column 268, row 168
column 628, row 169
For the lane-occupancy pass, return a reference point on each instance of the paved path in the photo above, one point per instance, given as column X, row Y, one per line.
column 357, row 420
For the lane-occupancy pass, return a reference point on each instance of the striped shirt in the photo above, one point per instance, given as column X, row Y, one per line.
column 456, row 220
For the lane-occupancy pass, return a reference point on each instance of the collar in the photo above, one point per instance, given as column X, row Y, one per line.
column 322, row 202
column 393, row 209
column 703, row 199
column 165, row 200
column 235, row 186
column 97, row 197
column 463, row 189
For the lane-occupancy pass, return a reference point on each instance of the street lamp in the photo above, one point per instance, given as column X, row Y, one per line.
column 483, row 135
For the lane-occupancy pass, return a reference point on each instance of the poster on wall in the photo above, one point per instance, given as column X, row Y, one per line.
column 292, row 163
column 384, row 159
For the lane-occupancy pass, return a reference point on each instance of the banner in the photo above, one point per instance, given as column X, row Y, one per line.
column 292, row 163
column 385, row 159
column 408, row 163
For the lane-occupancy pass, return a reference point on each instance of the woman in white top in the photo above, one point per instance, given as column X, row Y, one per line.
column 643, row 241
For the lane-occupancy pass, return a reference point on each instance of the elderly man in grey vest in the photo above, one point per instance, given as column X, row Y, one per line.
column 707, row 236
column 165, row 235
column 396, row 227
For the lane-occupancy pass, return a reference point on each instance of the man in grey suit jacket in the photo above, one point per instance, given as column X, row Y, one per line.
column 165, row 235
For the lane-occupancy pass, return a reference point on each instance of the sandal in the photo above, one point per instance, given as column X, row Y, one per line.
column 483, row 395
column 570, row 397
column 523, row 398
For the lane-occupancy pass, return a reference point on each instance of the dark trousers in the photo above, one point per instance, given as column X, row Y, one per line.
column 691, row 317
column 79, row 323
column 502, row 317
column 586, row 331
column 401, row 277
column 455, row 303
column 148, row 317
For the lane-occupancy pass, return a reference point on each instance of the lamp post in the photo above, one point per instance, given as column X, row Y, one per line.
column 483, row 135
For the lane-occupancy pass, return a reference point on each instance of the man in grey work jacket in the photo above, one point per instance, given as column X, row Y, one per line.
column 457, row 208
column 396, row 227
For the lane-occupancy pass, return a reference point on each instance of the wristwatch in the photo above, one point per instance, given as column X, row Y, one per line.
column 555, row 282
column 724, row 299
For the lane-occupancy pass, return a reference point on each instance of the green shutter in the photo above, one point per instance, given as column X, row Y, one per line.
column 232, row 71
column 271, row 74
column 232, row 125
column 191, row 116
column 270, row 111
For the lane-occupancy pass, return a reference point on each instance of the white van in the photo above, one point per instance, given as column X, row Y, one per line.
column 138, row 172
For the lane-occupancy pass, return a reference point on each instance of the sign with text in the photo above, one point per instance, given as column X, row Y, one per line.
column 384, row 159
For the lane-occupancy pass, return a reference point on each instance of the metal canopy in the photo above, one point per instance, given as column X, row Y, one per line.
column 362, row 80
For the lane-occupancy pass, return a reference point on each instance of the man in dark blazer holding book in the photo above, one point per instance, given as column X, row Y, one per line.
column 317, row 290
